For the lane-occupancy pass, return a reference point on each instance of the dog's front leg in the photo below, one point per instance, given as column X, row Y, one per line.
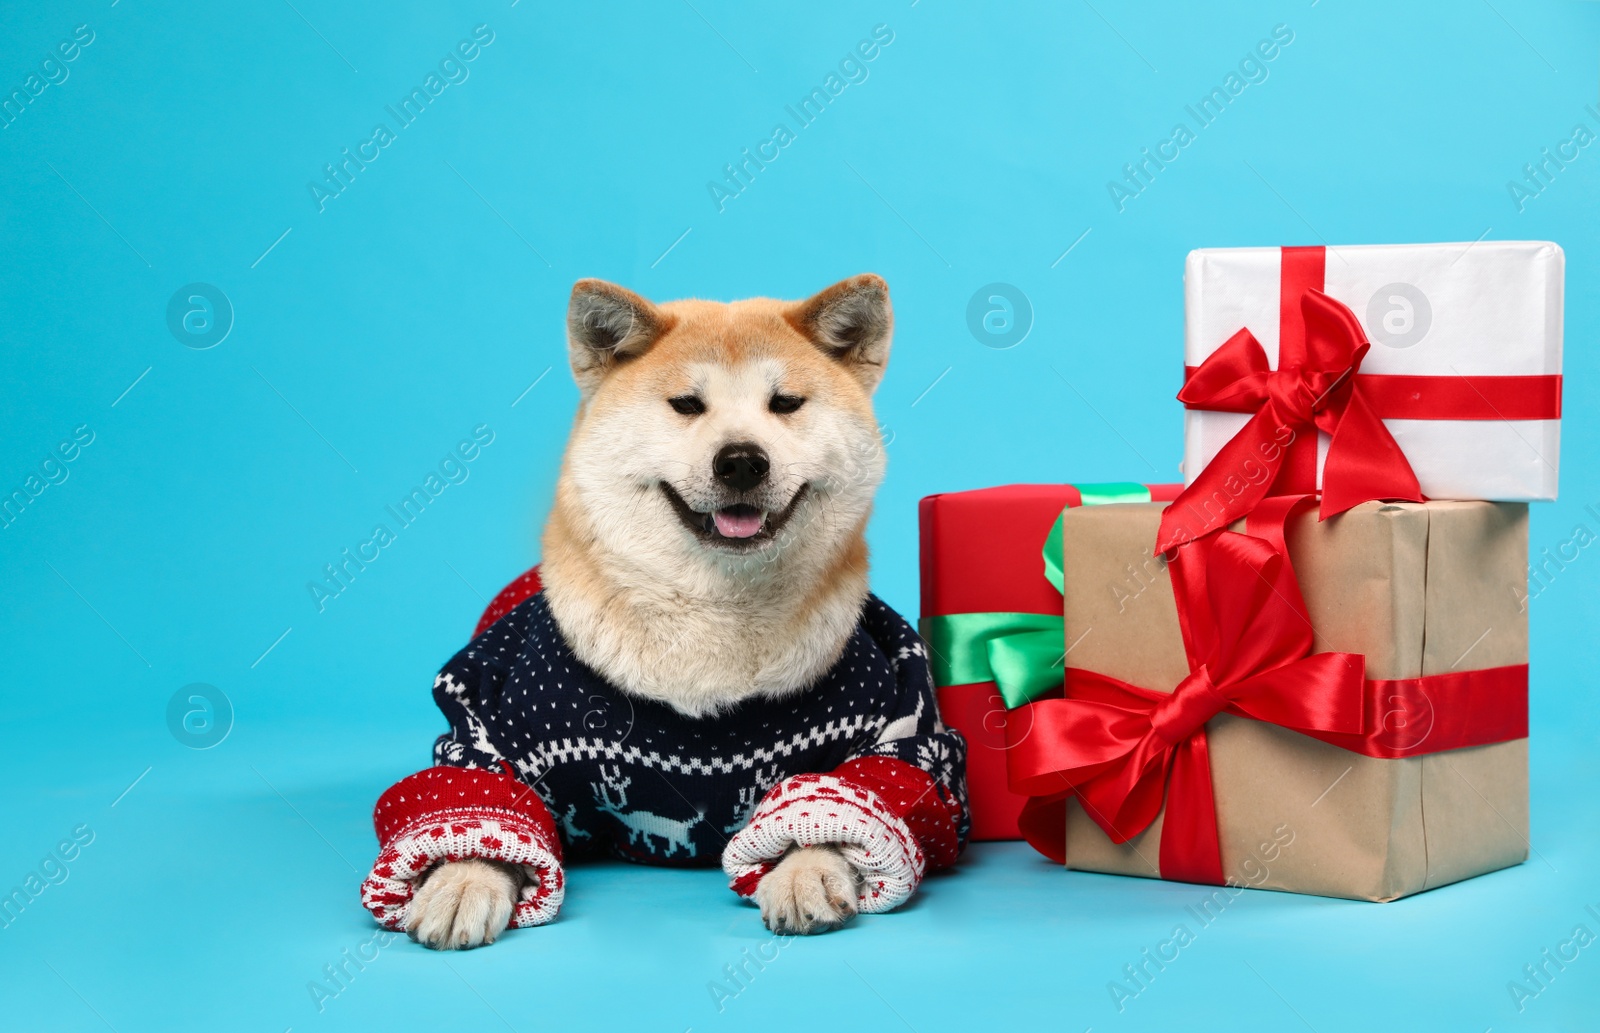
column 812, row 889
column 464, row 904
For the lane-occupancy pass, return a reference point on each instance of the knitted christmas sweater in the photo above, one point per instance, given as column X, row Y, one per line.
column 545, row 759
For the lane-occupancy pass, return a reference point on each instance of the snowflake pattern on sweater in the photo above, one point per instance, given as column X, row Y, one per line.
column 636, row 778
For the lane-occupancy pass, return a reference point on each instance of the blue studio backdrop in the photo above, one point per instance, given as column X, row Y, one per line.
column 269, row 268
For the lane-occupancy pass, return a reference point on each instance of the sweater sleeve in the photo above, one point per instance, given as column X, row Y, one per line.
column 469, row 805
column 896, row 807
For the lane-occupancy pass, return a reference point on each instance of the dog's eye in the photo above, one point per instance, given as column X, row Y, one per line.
column 784, row 404
column 688, row 405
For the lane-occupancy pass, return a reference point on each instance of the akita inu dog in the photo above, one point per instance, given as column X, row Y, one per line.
column 704, row 674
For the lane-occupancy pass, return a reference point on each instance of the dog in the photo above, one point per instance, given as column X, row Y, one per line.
column 705, row 581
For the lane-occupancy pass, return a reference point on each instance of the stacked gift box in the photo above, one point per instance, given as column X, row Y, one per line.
column 1307, row 669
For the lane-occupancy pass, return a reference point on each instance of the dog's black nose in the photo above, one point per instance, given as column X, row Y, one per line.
column 741, row 465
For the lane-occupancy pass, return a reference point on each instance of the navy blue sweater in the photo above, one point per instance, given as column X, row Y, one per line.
column 638, row 779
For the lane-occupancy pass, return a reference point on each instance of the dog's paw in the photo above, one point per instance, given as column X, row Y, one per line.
column 463, row 904
column 812, row 890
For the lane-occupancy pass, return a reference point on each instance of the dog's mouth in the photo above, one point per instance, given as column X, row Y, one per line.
column 737, row 527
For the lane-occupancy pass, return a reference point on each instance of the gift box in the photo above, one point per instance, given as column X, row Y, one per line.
column 1419, row 371
column 989, row 610
column 1337, row 708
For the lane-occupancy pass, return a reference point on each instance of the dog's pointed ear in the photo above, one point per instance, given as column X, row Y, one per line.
column 607, row 325
column 852, row 322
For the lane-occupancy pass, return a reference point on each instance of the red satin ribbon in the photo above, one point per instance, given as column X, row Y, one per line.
column 1394, row 396
column 1127, row 751
column 1276, row 452
column 1318, row 386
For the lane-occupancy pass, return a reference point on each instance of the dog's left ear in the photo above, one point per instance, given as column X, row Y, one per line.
column 852, row 322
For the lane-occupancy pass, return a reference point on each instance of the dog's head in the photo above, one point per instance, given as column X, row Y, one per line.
column 715, row 434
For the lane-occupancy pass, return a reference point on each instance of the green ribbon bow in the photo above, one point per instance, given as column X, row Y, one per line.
column 1022, row 653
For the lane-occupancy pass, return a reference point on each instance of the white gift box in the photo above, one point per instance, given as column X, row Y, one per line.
column 1484, row 310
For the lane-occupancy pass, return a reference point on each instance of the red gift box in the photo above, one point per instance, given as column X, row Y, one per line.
column 981, row 556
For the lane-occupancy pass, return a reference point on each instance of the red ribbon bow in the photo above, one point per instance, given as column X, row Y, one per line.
column 1124, row 750
column 1277, row 448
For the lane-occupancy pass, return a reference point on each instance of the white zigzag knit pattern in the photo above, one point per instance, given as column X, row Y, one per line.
column 816, row 810
column 451, row 835
column 566, row 751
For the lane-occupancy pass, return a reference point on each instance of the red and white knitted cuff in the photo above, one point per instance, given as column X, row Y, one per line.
column 453, row 835
column 817, row 810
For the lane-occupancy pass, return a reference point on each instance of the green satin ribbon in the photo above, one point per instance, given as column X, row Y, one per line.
column 1113, row 491
column 1092, row 495
column 1019, row 652
column 1022, row 653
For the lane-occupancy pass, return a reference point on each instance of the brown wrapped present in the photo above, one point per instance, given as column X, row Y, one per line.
column 1432, row 786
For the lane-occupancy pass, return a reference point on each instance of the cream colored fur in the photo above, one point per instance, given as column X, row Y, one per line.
column 812, row 890
column 463, row 904
column 640, row 600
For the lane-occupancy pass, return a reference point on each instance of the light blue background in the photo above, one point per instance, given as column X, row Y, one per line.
column 430, row 295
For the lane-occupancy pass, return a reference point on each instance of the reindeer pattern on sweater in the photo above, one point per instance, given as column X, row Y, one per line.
column 637, row 779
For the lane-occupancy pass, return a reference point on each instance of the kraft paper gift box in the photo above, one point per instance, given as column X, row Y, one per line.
column 1463, row 369
column 1433, row 596
column 981, row 562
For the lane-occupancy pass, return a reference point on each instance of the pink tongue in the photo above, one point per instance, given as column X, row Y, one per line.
column 737, row 525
